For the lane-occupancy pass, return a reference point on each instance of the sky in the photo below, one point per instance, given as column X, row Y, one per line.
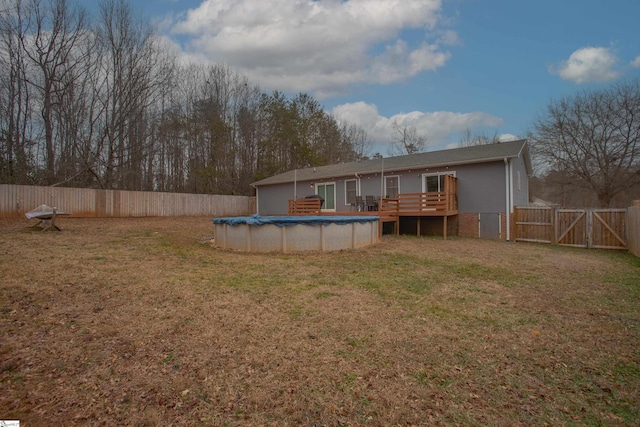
column 445, row 67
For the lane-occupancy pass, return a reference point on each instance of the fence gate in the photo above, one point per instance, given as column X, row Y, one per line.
column 608, row 229
column 571, row 227
column 582, row 228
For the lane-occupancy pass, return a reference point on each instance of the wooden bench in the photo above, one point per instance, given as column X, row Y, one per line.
column 46, row 218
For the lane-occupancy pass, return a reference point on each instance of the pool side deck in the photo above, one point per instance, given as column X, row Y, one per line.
column 435, row 204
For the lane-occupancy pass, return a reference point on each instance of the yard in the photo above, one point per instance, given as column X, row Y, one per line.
column 142, row 322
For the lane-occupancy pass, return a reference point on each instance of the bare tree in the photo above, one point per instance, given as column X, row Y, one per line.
column 594, row 137
column 470, row 138
column 132, row 71
column 16, row 124
column 51, row 43
column 406, row 139
column 357, row 138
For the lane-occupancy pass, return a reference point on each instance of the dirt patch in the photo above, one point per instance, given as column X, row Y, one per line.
column 143, row 322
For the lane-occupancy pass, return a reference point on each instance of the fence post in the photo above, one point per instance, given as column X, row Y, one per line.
column 633, row 224
column 554, row 233
column 589, row 231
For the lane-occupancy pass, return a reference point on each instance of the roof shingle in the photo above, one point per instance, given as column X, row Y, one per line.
column 454, row 156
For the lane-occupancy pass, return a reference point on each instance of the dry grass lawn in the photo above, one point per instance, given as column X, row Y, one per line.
column 142, row 322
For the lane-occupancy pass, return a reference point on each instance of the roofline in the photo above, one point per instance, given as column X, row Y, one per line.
column 437, row 165
column 339, row 174
column 466, row 162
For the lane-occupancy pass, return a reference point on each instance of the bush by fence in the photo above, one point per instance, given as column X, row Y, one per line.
column 16, row 200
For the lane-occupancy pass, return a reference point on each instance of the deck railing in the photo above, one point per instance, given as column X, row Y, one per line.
column 311, row 206
column 423, row 202
column 433, row 202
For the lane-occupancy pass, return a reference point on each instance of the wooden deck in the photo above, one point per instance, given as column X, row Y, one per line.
column 435, row 204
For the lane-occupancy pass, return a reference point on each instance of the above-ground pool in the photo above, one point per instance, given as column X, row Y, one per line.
column 295, row 233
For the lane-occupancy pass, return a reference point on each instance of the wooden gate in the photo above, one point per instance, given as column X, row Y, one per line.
column 582, row 228
column 571, row 227
column 608, row 229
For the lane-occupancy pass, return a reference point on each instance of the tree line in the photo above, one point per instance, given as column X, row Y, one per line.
column 102, row 102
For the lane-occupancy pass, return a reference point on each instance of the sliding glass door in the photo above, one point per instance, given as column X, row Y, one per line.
column 328, row 192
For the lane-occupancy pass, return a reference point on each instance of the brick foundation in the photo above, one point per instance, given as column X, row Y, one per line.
column 468, row 225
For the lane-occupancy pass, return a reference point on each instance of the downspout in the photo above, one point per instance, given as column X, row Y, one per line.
column 257, row 206
column 511, row 186
column 382, row 179
column 507, row 193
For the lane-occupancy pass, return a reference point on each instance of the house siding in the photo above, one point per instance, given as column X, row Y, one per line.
column 520, row 183
column 481, row 189
column 274, row 199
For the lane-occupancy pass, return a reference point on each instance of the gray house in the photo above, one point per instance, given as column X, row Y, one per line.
column 481, row 184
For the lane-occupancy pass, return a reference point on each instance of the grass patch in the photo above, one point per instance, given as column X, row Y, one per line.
column 412, row 331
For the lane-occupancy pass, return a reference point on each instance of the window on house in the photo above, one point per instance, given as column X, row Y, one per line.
column 392, row 186
column 434, row 182
column 350, row 191
column 328, row 192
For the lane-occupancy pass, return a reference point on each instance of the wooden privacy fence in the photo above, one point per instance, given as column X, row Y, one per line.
column 16, row 200
column 633, row 229
column 584, row 228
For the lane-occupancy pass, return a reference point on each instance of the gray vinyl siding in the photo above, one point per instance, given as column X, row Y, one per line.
column 520, row 183
column 274, row 199
column 481, row 188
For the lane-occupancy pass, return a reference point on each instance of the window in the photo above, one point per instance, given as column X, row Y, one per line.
column 391, row 186
column 328, row 192
column 350, row 191
column 434, row 182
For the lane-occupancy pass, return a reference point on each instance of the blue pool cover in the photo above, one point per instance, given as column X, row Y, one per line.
column 283, row 221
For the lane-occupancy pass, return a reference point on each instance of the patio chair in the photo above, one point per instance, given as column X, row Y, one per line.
column 372, row 205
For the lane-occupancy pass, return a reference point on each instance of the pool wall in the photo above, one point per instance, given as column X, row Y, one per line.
column 296, row 236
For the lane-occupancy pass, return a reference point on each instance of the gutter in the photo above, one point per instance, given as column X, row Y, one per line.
column 257, row 199
column 508, row 195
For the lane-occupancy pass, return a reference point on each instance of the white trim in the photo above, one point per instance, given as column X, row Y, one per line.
column 385, row 184
column 507, row 193
column 257, row 201
column 511, row 188
column 358, row 193
column 426, row 174
column 335, row 202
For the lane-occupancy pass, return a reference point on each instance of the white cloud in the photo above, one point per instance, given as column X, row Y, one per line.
column 504, row 137
column 439, row 126
column 636, row 62
column 321, row 46
column 589, row 64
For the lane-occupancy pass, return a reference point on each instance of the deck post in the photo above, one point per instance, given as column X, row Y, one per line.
column 444, row 227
